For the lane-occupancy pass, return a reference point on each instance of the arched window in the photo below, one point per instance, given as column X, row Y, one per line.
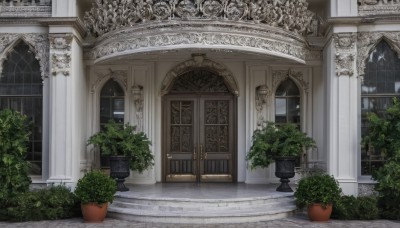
column 287, row 103
column 112, row 107
column 381, row 84
column 21, row 89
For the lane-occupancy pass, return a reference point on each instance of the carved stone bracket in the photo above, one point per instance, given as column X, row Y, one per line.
column 119, row 75
column 378, row 7
column 137, row 94
column 262, row 94
column 199, row 61
column 61, row 53
column 38, row 43
column 367, row 41
column 278, row 76
column 345, row 44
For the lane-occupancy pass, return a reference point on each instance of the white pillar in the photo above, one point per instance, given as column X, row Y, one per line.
column 67, row 108
column 341, row 108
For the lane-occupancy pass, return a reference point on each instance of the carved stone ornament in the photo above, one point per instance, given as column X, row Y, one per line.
column 199, row 61
column 38, row 43
column 137, row 95
column 262, row 94
column 345, row 44
column 121, row 76
column 367, row 41
column 61, row 54
column 378, row 7
column 195, row 35
column 30, row 9
column 108, row 15
column 278, row 76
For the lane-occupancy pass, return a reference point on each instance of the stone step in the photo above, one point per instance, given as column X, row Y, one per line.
column 206, row 203
column 203, row 217
column 202, row 211
column 171, row 205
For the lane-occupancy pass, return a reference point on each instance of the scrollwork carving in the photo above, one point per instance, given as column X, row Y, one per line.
column 120, row 75
column 199, row 61
column 61, row 54
column 366, row 41
column 108, row 15
column 345, row 51
column 38, row 42
column 262, row 94
column 378, row 7
column 278, row 76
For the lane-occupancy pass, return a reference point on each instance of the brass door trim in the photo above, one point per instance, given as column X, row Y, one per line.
column 181, row 177
column 216, row 177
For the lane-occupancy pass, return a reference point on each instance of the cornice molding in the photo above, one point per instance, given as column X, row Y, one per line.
column 74, row 22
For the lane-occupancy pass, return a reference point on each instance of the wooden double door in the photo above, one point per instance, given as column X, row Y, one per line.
column 199, row 141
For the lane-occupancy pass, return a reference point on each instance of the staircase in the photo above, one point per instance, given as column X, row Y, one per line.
column 131, row 207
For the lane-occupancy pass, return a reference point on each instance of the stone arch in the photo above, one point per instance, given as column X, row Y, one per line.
column 367, row 42
column 38, row 44
column 199, row 61
column 296, row 77
column 119, row 76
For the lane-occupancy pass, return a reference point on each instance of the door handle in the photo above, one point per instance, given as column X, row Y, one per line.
column 201, row 151
column 169, row 156
column 194, row 154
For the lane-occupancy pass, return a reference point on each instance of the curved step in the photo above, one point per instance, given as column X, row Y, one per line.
column 202, row 211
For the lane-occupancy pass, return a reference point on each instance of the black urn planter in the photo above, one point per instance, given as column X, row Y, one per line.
column 119, row 170
column 284, row 169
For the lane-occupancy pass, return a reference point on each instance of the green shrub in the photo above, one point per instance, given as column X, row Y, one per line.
column 118, row 140
column 318, row 188
column 384, row 136
column 96, row 187
column 14, row 138
column 352, row 208
column 45, row 204
column 277, row 141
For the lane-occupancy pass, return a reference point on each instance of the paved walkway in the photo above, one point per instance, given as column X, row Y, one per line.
column 298, row 221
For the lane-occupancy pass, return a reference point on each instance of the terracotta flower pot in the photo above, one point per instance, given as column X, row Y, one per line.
column 93, row 212
column 316, row 212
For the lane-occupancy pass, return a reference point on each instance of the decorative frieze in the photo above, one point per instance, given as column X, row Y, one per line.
column 378, row 7
column 108, row 15
column 38, row 42
column 138, row 100
column 61, row 54
column 366, row 41
column 345, row 44
column 194, row 34
column 25, row 11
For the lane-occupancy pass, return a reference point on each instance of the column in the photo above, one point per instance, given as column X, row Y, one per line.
column 341, row 107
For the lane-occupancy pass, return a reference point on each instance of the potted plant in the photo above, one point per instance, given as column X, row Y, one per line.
column 281, row 144
column 318, row 193
column 128, row 150
column 95, row 191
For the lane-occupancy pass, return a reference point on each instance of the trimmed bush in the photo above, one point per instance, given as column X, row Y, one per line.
column 352, row 208
column 45, row 204
column 96, row 187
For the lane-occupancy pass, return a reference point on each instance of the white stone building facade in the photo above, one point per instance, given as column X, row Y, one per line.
column 239, row 62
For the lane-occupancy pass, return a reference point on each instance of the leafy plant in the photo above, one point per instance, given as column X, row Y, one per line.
column 120, row 140
column 384, row 136
column 275, row 141
column 318, row 188
column 352, row 208
column 95, row 187
column 14, row 138
column 45, row 204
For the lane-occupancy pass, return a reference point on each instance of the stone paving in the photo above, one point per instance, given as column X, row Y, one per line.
column 298, row 221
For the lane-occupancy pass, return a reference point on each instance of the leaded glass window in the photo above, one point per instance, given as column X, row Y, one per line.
column 287, row 103
column 21, row 89
column 381, row 84
column 112, row 107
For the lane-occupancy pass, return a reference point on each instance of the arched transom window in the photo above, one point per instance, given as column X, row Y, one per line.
column 381, row 84
column 21, row 89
